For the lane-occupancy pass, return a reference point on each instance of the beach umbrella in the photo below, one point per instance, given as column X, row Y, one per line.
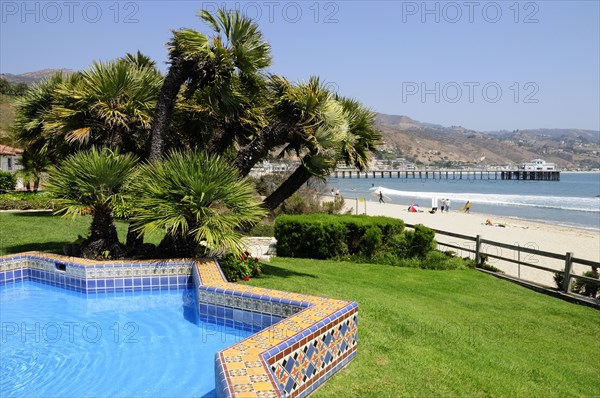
column 413, row 208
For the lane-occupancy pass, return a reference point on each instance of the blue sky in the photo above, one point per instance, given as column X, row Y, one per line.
column 483, row 65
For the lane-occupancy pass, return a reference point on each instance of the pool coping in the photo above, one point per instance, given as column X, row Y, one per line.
column 303, row 340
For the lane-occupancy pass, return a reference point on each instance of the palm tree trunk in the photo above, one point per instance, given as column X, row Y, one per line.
column 179, row 72
column 134, row 241
column 287, row 188
column 221, row 140
column 270, row 137
column 103, row 227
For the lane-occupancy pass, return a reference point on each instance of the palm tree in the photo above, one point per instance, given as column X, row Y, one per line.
column 237, row 48
column 110, row 104
column 296, row 111
column 33, row 166
column 318, row 147
column 334, row 141
column 363, row 138
column 91, row 181
column 31, row 114
column 199, row 200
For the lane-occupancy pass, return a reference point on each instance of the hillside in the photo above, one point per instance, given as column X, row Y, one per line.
column 432, row 144
column 33, row 77
column 7, row 115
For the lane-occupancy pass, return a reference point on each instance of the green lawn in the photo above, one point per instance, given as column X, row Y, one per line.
column 450, row 333
column 25, row 231
column 422, row 333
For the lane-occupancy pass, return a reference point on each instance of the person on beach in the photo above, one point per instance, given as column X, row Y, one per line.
column 447, row 205
column 467, row 207
column 381, row 197
column 443, row 205
column 434, row 205
column 337, row 193
column 332, row 193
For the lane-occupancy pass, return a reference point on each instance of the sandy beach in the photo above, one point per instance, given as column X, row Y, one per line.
column 584, row 244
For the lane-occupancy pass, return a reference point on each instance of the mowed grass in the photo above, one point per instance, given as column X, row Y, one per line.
column 41, row 231
column 450, row 333
column 421, row 333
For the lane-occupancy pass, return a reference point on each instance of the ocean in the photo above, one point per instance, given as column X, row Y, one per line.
column 572, row 201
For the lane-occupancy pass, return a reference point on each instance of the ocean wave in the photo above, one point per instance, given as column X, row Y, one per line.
column 591, row 205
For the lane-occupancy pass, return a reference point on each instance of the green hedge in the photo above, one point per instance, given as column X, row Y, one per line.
column 26, row 201
column 325, row 236
column 7, row 181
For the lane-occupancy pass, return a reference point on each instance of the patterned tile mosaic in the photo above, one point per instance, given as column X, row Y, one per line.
column 315, row 337
column 300, row 340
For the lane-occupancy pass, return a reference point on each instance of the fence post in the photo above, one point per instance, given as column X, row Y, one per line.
column 519, row 259
column 566, row 287
column 357, row 206
column 478, row 250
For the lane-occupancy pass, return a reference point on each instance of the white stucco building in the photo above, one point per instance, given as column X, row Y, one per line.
column 10, row 158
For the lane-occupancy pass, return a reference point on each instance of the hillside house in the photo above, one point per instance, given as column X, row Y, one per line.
column 10, row 158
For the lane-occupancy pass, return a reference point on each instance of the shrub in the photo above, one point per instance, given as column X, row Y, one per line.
column 240, row 267
column 8, row 181
column 579, row 286
column 422, row 241
column 298, row 204
column 585, row 288
column 26, row 201
column 263, row 229
column 437, row 260
column 417, row 243
column 371, row 241
column 328, row 236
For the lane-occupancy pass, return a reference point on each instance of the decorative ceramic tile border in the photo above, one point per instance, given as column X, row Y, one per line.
column 300, row 340
column 89, row 276
column 289, row 358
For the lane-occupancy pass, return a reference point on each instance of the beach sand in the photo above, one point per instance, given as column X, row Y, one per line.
column 584, row 244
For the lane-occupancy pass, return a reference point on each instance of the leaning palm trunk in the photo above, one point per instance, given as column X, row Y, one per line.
column 300, row 176
column 221, row 141
column 269, row 138
column 179, row 72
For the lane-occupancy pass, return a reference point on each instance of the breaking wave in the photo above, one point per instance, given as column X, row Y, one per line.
column 591, row 205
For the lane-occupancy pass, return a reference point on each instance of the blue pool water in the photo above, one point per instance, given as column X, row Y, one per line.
column 56, row 343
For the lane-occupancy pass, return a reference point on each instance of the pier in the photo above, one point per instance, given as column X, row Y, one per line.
column 447, row 174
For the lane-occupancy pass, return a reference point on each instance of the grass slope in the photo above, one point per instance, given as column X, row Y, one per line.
column 450, row 333
column 40, row 231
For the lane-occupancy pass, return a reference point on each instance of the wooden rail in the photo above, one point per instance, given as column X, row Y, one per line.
column 480, row 256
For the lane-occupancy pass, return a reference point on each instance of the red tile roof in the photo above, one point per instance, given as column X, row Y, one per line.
column 8, row 150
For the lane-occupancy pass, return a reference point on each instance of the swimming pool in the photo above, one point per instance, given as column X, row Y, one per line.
column 57, row 343
column 298, row 342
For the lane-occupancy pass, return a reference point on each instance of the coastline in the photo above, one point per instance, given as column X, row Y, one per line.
column 560, row 239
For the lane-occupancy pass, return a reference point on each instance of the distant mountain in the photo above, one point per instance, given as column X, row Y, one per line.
column 33, row 77
column 590, row 135
column 433, row 144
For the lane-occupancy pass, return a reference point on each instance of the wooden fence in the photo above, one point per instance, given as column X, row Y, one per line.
column 568, row 258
